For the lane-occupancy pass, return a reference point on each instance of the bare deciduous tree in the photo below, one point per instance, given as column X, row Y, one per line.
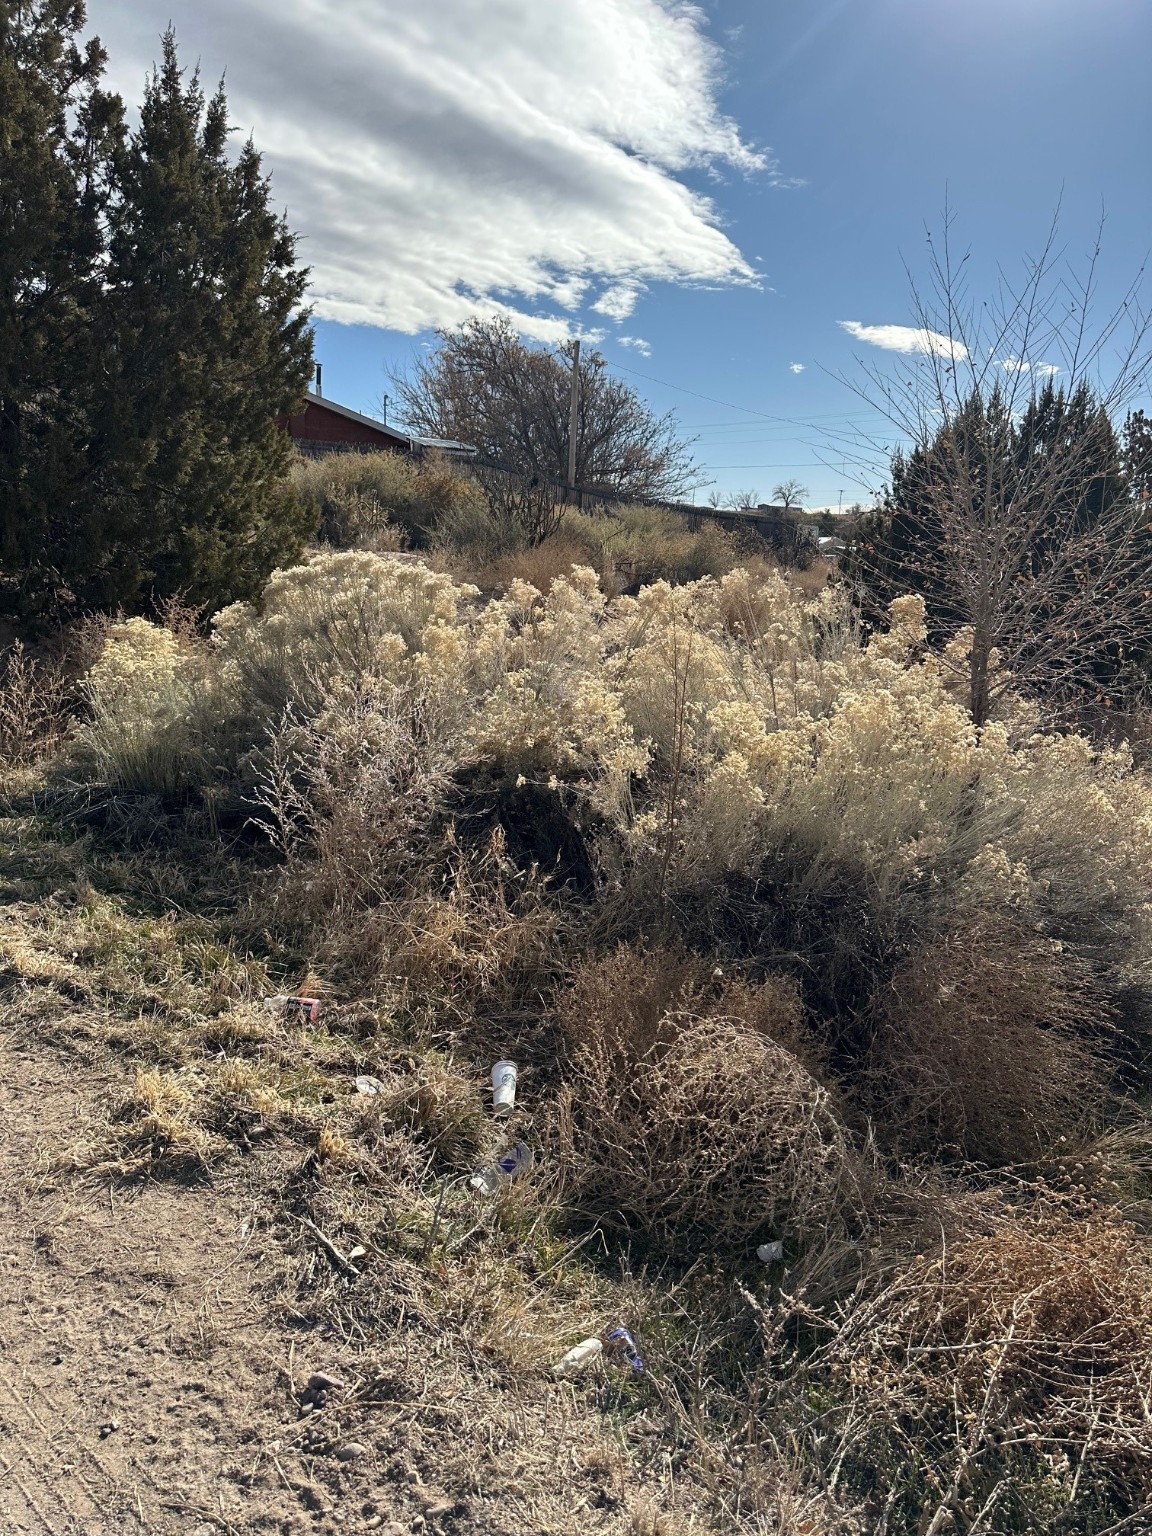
column 789, row 494
column 485, row 386
column 1010, row 512
column 735, row 501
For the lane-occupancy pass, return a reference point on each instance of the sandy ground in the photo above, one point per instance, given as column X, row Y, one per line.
column 145, row 1376
column 153, row 1360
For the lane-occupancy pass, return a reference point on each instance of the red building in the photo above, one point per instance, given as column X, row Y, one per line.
column 325, row 427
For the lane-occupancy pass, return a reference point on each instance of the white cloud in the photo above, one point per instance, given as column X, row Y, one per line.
column 618, row 301
column 452, row 158
column 643, row 347
column 906, row 338
column 795, row 367
column 1021, row 365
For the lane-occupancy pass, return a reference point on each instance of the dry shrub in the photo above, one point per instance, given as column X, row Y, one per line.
column 360, row 494
column 154, row 710
column 682, row 1125
column 349, row 800
column 1014, row 1368
column 360, row 804
column 539, row 566
column 32, row 699
column 985, row 1046
column 357, row 520
column 341, row 622
column 634, row 545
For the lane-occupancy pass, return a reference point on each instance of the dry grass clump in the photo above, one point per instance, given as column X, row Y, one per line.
column 1011, row 1373
column 990, row 1043
column 539, row 566
column 437, row 1105
column 481, row 947
column 681, row 1125
column 155, row 1128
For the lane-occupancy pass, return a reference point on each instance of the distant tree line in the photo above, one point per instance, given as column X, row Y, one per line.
column 151, row 329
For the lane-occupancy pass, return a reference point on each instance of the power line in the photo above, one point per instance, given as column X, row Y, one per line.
column 712, row 400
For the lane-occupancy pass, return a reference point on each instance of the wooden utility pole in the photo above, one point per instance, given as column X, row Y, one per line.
column 573, row 420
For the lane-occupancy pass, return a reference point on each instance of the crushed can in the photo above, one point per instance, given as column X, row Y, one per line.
column 623, row 1341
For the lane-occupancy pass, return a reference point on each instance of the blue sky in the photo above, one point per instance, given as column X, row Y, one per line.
column 723, row 184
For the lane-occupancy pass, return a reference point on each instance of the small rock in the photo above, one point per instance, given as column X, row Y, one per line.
column 306, row 1408
column 435, row 1511
column 351, row 1450
column 109, row 1429
column 320, row 1381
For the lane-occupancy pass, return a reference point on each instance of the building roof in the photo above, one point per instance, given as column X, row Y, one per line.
column 444, row 444
column 365, row 421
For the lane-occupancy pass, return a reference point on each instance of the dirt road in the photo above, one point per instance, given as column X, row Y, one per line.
column 144, row 1382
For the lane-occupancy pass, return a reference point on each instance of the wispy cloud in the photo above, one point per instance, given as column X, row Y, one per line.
column 905, row 338
column 795, row 367
column 449, row 158
column 1021, row 365
column 643, row 347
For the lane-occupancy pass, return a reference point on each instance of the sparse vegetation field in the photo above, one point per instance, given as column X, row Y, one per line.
column 790, row 956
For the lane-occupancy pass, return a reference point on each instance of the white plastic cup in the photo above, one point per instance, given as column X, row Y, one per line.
column 578, row 1358
column 504, row 1076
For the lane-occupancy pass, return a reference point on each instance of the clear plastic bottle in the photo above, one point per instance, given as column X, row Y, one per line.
column 488, row 1180
column 578, row 1358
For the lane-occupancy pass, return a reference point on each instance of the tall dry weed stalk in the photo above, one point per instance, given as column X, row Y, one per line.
column 33, row 693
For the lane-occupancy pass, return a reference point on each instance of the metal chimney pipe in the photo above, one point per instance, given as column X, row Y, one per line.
column 319, row 378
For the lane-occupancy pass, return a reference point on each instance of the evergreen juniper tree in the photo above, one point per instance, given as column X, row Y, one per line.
column 204, row 344
column 1017, row 528
column 57, row 129
column 151, row 332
